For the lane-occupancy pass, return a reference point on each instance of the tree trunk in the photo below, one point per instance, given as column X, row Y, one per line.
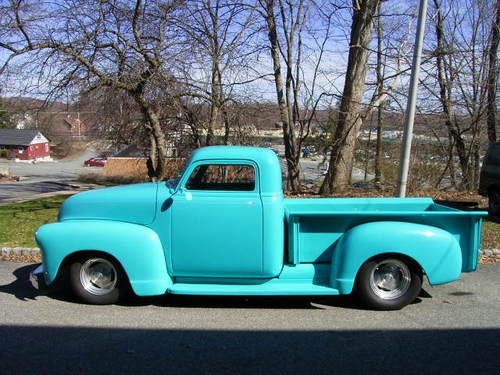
column 152, row 161
column 493, row 76
column 158, row 144
column 367, row 152
column 227, row 126
column 215, row 95
column 451, row 158
column 349, row 119
column 214, row 110
column 380, row 109
column 463, row 160
column 288, row 132
column 476, row 166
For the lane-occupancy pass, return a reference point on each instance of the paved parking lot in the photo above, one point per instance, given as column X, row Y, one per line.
column 43, row 177
column 452, row 328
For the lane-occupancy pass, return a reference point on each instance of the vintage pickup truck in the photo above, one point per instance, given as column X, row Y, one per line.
column 225, row 228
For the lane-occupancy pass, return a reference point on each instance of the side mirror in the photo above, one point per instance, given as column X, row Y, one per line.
column 166, row 205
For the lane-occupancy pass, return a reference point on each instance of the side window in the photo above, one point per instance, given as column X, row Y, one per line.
column 229, row 177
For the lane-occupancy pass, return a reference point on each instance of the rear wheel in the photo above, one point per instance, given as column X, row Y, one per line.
column 388, row 283
column 96, row 279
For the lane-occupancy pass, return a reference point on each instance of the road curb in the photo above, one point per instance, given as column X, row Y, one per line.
column 494, row 253
column 30, row 251
column 20, row 251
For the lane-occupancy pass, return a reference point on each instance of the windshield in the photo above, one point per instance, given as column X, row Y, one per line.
column 175, row 177
column 172, row 183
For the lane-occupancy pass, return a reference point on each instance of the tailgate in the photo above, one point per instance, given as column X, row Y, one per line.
column 466, row 226
column 470, row 254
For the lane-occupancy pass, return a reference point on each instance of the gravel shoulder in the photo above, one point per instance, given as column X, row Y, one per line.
column 453, row 328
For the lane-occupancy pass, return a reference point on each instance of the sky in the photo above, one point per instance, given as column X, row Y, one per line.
column 399, row 16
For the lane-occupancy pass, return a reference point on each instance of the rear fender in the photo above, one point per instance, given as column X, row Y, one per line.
column 434, row 249
column 136, row 247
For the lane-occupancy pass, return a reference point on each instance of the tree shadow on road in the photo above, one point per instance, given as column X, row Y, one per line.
column 109, row 350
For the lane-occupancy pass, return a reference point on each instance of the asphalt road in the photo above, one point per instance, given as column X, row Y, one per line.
column 453, row 329
column 43, row 177
column 60, row 170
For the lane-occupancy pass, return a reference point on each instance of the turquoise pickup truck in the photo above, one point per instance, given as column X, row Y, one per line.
column 225, row 228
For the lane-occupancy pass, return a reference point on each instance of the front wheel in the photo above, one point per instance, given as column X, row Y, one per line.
column 96, row 280
column 388, row 283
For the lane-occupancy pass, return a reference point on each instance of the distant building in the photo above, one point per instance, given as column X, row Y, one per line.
column 58, row 126
column 25, row 144
column 65, row 127
column 392, row 134
column 75, row 127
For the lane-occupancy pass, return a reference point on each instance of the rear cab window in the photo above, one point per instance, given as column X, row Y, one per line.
column 222, row 177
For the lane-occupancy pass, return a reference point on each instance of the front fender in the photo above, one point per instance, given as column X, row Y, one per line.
column 434, row 249
column 136, row 247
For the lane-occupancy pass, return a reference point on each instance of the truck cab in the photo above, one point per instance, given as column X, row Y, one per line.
column 229, row 199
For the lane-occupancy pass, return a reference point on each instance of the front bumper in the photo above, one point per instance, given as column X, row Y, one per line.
column 36, row 278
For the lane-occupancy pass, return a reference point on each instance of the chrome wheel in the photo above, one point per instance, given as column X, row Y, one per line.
column 98, row 276
column 390, row 279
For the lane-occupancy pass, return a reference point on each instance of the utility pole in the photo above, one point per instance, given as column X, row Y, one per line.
column 404, row 162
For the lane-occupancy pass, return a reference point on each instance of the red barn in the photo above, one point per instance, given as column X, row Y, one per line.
column 24, row 144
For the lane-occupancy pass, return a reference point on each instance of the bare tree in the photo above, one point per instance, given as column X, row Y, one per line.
column 380, row 90
column 221, row 34
column 292, row 153
column 460, row 74
column 393, row 31
column 288, row 28
column 349, row 120
column 123, row 45
column 493, row 75
column 116, row 117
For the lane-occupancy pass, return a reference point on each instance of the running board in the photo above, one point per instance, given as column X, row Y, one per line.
column 273, row 287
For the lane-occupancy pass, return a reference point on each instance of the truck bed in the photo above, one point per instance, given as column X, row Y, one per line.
column 315, row 225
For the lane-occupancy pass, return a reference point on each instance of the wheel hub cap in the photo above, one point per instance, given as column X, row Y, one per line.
column 390, row 279
column 98, row 276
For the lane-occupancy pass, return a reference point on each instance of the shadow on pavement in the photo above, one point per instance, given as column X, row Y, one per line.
column 22, row 289
column 57, row 350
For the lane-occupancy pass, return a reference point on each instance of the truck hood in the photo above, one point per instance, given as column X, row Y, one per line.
column 129, row 203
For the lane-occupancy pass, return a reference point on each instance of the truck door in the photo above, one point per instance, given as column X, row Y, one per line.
column 217, row 221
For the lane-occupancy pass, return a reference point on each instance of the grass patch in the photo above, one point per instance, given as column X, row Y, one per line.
column 19, row 221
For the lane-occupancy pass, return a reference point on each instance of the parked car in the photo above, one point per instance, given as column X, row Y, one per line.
column 225, row 228
column 489, row 181
column 95, row 162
